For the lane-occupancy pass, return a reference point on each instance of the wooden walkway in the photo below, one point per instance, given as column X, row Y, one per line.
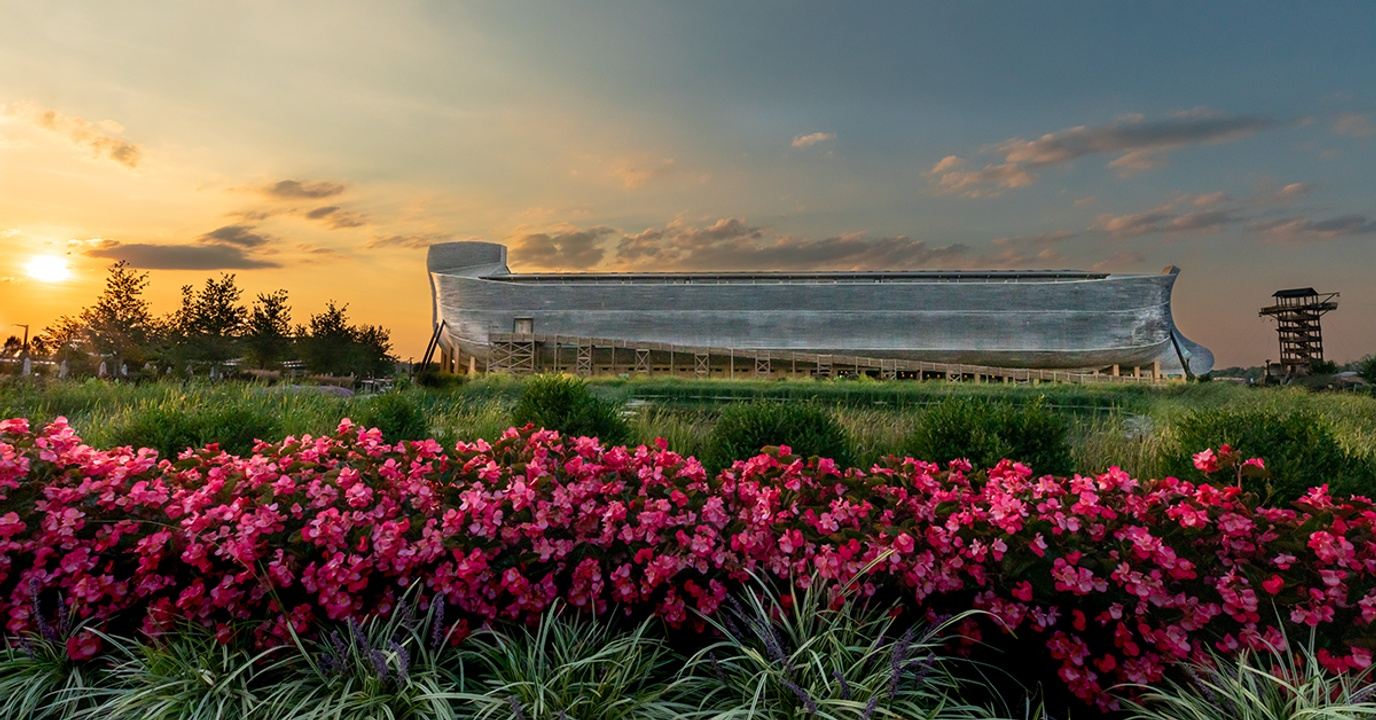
column 519, row 353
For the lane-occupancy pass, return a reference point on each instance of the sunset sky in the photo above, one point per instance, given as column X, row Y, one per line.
column 320, row 147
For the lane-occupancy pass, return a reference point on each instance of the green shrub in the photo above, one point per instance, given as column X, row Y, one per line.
column 171, row 429
column 398, row 415
column 236, row 427
column 565, row 403
column 1299, row 447
column 743, row 429
column 985, row 432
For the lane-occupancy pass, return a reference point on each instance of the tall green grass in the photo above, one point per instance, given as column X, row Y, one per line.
column 570, row 668
column 810, row 657
column 1276, row 684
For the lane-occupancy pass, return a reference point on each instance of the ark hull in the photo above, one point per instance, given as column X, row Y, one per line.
column 1039, row 319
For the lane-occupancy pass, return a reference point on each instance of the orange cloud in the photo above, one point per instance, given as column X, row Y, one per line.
column 103, row 138
column 634, row 175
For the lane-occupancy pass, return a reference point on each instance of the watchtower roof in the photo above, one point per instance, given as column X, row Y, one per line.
column 1295, row 292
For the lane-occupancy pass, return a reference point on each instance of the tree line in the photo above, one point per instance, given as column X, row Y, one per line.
column 211, row 327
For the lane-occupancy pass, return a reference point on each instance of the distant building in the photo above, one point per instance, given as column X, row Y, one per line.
column 1062, row 319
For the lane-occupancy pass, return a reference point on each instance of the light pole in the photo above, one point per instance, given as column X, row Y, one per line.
column 25, row 365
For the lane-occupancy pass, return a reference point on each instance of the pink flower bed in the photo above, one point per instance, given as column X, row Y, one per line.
column 1120, row 577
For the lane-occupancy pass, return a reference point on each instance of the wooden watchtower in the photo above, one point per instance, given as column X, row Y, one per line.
column 1297, row 312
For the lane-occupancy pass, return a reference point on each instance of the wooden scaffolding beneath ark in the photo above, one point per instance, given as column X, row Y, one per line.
column 527, row 353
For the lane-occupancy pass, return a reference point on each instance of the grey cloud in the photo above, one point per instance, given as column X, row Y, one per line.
column 1300, row 229
column 297, row 189
column 1199, row 221
column 317, row 250
column 1137, row 144
column 1354, row 125
column 244, row 236
column 346, row 219
column 1212, row 213
column 1167, row 221
column 722, row 245
column 566, row 248
column 1131, row 134
column 337, row 217
column 677, row 239
column 180, row 257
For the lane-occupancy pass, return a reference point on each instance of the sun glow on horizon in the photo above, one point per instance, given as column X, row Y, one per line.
column 48, row 268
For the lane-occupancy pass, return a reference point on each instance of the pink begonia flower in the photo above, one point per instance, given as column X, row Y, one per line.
column 14, row 426
column 1206, row 461
column 83, row 645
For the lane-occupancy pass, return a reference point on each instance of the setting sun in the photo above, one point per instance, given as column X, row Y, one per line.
column 48, row 268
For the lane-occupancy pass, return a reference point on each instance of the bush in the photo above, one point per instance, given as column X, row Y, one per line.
column 811, row 431
column 1300, row 449
column 985, row 432
column 398, row 415
column 170, row 430
column 565, row 403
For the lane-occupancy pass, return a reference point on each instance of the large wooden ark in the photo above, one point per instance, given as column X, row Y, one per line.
column 1047, row 319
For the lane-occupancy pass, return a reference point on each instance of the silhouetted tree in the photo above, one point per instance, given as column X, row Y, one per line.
column 68, row 339
column 1366, row 367
column 375, row 344
column 120, row 323
column 208, row 323
column 267, row 337
column 334, row 345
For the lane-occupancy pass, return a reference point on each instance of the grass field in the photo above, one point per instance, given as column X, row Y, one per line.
column 1129, row 426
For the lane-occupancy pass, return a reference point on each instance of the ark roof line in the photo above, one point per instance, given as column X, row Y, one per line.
column 758, row 277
